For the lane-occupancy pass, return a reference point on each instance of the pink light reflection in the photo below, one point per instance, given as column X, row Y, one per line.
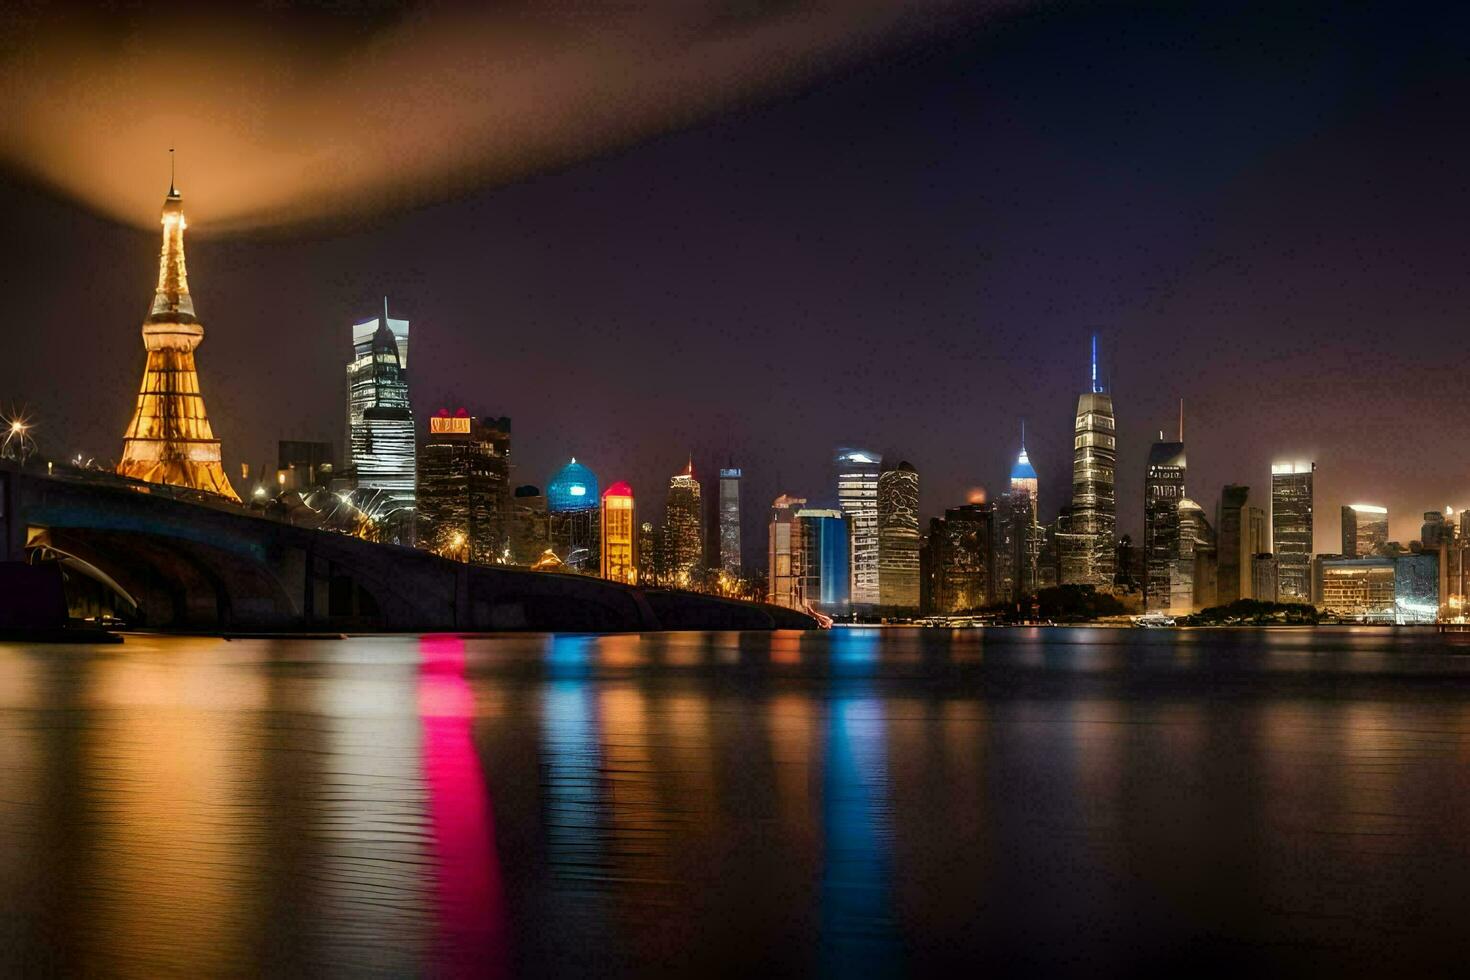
column 472, row 938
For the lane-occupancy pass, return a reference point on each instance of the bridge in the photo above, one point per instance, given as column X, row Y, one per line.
column 185, row 562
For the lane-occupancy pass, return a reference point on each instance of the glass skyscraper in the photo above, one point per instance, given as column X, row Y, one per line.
column 824, row 560
column 857, row 495
column 381, row 438
column 1163, row 491
column 898, row 538
column 730, row 521
column 1089, row 553
column 1291, row 529
column 1364, row 530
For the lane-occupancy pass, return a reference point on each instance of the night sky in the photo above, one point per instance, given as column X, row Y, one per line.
column 898, row 237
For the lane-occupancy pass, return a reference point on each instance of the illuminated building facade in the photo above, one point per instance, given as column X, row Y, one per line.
column 1359, row 589
column 1419, row 588
column 1241, row 536
column 529, row 536
column 683, row 534
column 730, row 560
column 362, row 392
column 573, row 515
column 464, row 502
column 1291, row 529
column 857, row 495
column 382, row 442
column 783, row 546
column 898, row 538
column 1167, row 585
column 169, row 439
column 1088, row 553
column 619, row 535
column 1018, row 574
column 960, row 558
column 823, row 560
column 1364, row 530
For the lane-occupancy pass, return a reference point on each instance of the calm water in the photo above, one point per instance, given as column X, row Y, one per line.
column 1016, row 801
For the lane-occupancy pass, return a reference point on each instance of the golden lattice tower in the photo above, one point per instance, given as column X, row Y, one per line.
column 170, row 440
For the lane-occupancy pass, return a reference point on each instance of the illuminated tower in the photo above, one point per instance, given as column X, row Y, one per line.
column 1089, row 557
column 898, row 538
column 1024, row 525
column 1291, row 529
column 683, row 536
column 170, row 439
column 381, row 440
column 730, row 521
column 857, row 495
column 573, row 517
column 619, row 534
column 1163, row 492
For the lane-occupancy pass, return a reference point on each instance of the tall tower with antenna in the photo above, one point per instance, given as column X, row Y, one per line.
column 170, row 439
column 1088, row 543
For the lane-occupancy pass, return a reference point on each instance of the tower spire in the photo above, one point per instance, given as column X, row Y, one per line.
column 172, row 189
column 170, row 439
column 1095, row 387
column 1181, row 420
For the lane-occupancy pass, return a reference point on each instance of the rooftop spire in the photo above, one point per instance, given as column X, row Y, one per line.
column 172, row 190
column 1181, row 420
column 1095, row 386
column 171, row 301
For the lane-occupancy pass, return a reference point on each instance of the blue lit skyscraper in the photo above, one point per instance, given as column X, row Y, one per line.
column 826, row 560
column 572, row 503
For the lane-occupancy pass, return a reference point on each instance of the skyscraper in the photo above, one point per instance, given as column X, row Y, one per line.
column 683, row 536
column 1241, row 535
column 1163, row 491
column 898, row 538
column 1194, row 583
column 1089, row 553
column 1291, row 529
column 1023, row 531
column 572, row 517
column 382, row 444
column 857, row 495
column 619, row 534
column 822, row 560
column 170, row 439
column 1364, row 530
column 464, row 502
column 960, row 558
column 783, row 542
column 730, row 560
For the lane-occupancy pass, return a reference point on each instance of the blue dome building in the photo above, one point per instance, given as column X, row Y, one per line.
column 573, row 488
column 1023, row 470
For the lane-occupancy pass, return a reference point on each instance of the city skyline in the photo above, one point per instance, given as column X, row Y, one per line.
column 518, row 297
